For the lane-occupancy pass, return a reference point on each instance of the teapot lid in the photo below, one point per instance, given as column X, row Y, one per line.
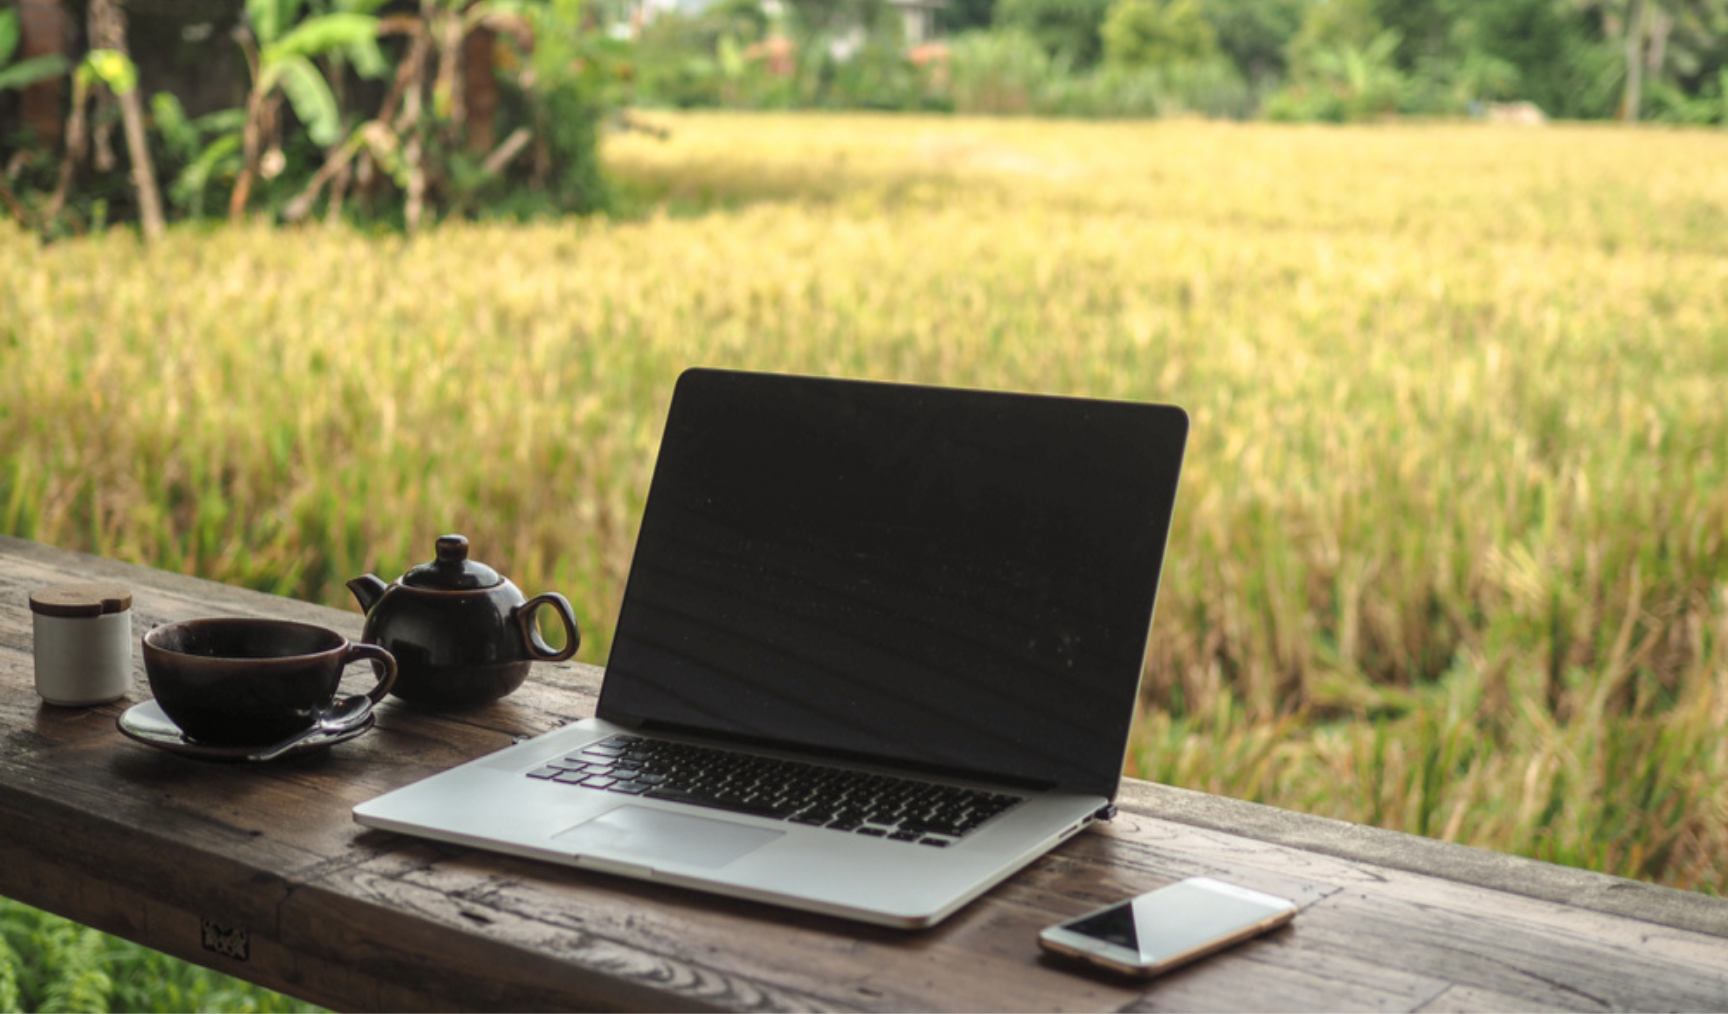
column 452, row 571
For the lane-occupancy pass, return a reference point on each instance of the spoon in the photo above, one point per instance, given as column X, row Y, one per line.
column 345, row 714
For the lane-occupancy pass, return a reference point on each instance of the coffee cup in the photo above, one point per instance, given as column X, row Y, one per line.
column 239, row 681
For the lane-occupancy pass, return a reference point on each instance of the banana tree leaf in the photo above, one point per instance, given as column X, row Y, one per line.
column 271, row 18
column 222, row 121
column 308, row 93
column 188, row 189
column 25, row 73
column 367, row 58
column 319, row 35
column 8, row 35
column 171, row 122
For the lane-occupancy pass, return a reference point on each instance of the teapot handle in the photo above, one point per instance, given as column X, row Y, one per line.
column 537, row 645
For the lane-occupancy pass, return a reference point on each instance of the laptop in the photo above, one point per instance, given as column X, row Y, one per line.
column 880, row 647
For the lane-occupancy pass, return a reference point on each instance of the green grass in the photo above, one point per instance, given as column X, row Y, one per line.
column 1451, row 553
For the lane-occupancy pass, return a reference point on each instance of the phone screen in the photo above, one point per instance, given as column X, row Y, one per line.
column 1113, row 925
column 1176, row 923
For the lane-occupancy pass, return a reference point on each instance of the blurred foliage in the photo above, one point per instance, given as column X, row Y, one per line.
column 574, row 86
column 330, row 128
column 1335, row 60
column 1009, row 73
column 196, row 154
column 1066, row 29
column 50, row 964
column 688, row 60
column 23, row 72
column 1001, row 72
column 1158, row 33
column 354, row 109
column 1555, row 53
column 964, row 15
column 820, row 56
column 1707, row 108
column 1345, row 82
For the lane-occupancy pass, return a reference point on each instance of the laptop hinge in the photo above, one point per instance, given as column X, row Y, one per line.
column 1105, row 812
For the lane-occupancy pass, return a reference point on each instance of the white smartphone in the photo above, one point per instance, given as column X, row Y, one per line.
column 1168, row 927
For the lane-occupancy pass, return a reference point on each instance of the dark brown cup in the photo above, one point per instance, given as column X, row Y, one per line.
column 237, row 681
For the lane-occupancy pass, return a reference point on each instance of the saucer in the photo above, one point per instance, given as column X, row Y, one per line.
column 149, row 724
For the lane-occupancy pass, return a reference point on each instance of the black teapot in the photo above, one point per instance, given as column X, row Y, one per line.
column 461, row 634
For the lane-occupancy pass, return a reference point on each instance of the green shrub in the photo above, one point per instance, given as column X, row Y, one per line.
column 1007, row 72
column 1254, row 34
column 1346, row 84
column 1003, row 71
column 1157, row 33
column 1710, row 106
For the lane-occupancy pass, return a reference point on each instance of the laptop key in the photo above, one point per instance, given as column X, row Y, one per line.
column 722, row 803
column 881, row 805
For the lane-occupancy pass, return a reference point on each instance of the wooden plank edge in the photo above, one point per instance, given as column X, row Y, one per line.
column 1466, row 864
column 480, row 957
column 1341, row 839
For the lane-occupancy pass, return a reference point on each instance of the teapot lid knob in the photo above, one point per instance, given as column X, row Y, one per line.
column 452, row 548
column 452, row 570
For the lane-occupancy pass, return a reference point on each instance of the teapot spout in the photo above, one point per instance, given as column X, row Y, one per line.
column 368, row 588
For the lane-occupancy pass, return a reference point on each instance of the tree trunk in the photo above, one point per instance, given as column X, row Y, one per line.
column 446, row 31
column 1659, row 33
column 77, row 141
column 408, row 121
column 1634, row 62
column 143, row 173
column 481, row 87
column 250, row 151
column 46, row 30
column 108, row 31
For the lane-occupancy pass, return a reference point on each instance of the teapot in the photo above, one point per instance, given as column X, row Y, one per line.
column 461, row 634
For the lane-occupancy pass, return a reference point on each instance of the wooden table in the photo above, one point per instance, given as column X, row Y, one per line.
column 259, row 871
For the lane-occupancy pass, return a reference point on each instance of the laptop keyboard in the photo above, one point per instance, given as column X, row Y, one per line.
column 856, row 802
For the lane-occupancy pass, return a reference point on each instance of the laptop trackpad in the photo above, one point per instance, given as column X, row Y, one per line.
column 642, row 835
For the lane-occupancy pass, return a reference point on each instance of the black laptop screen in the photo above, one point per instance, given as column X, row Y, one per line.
column 959, row 579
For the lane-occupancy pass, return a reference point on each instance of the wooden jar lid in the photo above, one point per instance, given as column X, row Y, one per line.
column 81, row 599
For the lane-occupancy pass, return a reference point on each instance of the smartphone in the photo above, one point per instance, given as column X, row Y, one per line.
column 1168, row 927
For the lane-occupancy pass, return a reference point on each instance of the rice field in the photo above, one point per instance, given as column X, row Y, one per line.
column 1451, row 553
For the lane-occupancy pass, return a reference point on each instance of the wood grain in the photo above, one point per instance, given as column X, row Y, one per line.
column 267, row 862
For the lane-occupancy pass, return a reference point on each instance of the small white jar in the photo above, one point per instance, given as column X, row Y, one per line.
column 83, row 643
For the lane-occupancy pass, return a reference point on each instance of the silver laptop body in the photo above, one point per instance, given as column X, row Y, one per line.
column 880, row 647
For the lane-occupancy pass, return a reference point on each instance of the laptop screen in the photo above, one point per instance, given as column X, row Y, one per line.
column 954, row 579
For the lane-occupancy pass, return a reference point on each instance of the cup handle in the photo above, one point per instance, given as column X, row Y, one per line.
column 361, row 651
column 537, row 645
